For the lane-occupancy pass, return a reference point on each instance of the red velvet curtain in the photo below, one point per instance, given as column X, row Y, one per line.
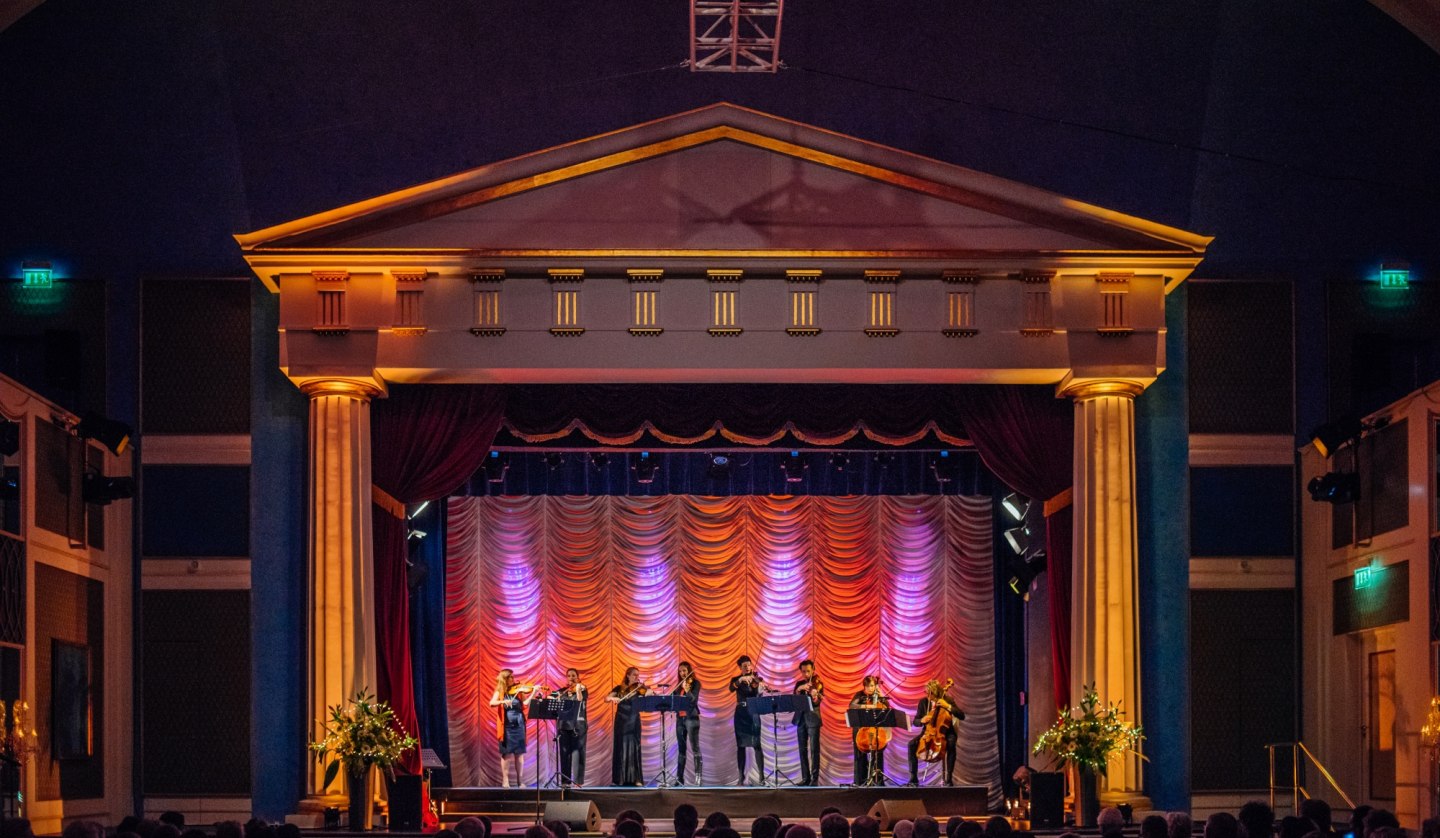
column 425, row 441
column 1025, row 435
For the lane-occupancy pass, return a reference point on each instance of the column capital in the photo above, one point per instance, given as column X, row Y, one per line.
column 1081, row 389
column 363, row 389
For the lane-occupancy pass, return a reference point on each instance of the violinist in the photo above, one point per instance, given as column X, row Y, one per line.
column 870, row 760
column 511, row 698
column 625, row 767
column 807, row 723
column 572, row 734
column 936, row 715
column 687, row 724
column 747, row 727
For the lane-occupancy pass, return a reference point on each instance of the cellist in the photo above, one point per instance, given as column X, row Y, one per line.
column 936, row 713
column 870, row 697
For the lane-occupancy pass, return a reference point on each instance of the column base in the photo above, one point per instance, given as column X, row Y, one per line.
column 310, row 813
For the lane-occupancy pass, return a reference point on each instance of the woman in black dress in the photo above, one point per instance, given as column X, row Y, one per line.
column 625, row 767
column 511, row 724
column 747, row 727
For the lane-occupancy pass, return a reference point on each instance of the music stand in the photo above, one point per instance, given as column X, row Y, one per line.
column 773, row 705
column 552, row 709
column 430, row 761
column 662, row 704
column 858, row 718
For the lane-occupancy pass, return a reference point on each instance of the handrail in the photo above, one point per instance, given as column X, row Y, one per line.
column 1296, row 749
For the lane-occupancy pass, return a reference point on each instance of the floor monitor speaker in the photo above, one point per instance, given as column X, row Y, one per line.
column 579, row 815
column 1047, row 800
column 888, row 810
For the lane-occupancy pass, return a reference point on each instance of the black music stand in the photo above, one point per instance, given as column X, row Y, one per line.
column 430, row 761
column 552, row 709
column 858, row 718
column 662, row 704
column 773, row 705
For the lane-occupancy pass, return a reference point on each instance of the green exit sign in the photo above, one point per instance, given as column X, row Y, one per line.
column 37, row 275
column 1395, row 276
column 1367, row 576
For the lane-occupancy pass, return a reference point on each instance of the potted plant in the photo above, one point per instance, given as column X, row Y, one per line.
column 1087, row 737
column 361, row 735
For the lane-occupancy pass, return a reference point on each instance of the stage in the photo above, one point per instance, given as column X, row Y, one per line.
column 658, row 805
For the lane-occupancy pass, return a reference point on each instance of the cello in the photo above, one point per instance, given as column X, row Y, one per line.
column 871, row 739
column 931, row 742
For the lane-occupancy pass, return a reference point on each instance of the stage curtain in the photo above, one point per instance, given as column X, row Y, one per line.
column 749, row 414
column 901, row 586
column 1025, row 436
column 425, row 442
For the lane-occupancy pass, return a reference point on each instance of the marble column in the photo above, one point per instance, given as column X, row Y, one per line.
column 341, row 561
column 1105, row 613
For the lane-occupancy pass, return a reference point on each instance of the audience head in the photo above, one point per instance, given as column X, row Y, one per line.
column 1180, row 824
column 446, row 833
column 726, row 832
column 828, row 810
column 471, row 827
column 1430, row 828
column 953, row 824
column 169, row 830
column 1069, row 835
column 223, row 829
column 832, row 825
column 128, row 823
column 538, row 831
column 145, row 827
column 1154, row 826
column 765, row 826
column 559, row 829
column 488, row 824
column 903, row 829
column 1318, row 812
column 865, row 827
column 17, row 828
column 1293, row 827
column 927, row 827
column 1110, row 821
column 1257, row 818
column 630, row 815
column 997, row 825
column 1222, row 825
column 1379, row 819
column 784, row 829
column 686, row 819
column 624, row 829
column 800, row 830
column 284, row 830
column 715, row 820
column 82, row 829
column 173, row 818
column 196, row 832
column 1357, row 819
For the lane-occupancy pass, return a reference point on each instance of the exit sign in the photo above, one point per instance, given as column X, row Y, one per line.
column 37, row 275
column 1393, row 275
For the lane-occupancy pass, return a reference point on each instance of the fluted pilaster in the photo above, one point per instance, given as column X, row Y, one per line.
column 342, row 589
column 1105, row 616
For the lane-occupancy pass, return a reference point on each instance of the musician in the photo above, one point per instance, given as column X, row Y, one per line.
column 625, row 767
column 687, row 724
column 747, row 727
column 572, row 734
column 935, row 699
column 512, row 702
column 868, row 763
column 807, row 723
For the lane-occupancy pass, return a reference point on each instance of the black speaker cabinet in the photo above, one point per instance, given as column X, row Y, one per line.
column 1047, row 800
column 889, row 810
column 405, row 803
column 579, row 815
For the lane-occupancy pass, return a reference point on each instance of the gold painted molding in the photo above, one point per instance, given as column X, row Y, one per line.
column 1093, row 389
column 363, row 389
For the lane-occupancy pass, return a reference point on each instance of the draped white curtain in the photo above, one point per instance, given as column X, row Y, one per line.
column 902, row 587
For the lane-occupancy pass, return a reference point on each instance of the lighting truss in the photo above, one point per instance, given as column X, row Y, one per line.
column 735, row 36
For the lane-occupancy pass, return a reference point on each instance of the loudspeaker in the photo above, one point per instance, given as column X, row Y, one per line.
column 579, row 815
column 1047, row 800
column 405, row 803
column 888, row 810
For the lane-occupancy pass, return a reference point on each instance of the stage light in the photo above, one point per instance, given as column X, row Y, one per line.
column 554, row 460
column 644, row 468
column 1331, row 436
column 794, row 467
column 1018, row 538
column 418, row 509
column 1015, row 504
column 840, row 460
column 943, row 467
column 495, row 467
column 108, row 432
column 417, row 534
column 1335, row 487
column 101, row 490
column 1024, row 572
column 599, row 460
column 9, row 438
column 884, row 460
column 719, row 467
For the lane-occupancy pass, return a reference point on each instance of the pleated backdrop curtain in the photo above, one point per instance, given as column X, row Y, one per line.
column 895, row 585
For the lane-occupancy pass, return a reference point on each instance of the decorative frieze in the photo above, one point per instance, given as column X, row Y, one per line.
column 881, row 288
column 566, row 294
column 804, row 289
column 488, row 283
column 1114, row 299
column 331, row 316
column 1038, row 317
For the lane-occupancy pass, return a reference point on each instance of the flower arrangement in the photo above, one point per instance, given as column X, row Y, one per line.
column 1092, row 737
column 360, row 734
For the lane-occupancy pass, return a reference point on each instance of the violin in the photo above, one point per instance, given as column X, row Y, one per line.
column 520, row 689
column 932, row 744
column 813, row 688
column 641, row 689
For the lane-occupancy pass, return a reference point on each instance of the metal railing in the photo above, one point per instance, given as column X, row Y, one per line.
column 1296, row 788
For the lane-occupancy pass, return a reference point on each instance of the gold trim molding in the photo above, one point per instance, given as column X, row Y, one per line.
column 1096, row 388
column 363, row 389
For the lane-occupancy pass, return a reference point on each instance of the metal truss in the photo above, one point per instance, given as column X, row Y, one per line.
column 735, row 36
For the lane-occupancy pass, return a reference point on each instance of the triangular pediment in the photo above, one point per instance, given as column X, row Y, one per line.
column 724, row 178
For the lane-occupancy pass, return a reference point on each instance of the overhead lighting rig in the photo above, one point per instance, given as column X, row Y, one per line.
column 735, row 36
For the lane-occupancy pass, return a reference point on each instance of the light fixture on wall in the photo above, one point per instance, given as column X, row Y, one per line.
column 1335, row 487
column 794, row 467
column 102, row 490
column 495, row 467
column 645, row 468
column 108, row 432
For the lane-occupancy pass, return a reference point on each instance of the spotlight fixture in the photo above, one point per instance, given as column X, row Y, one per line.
column 1332, row 435
column 417, row 534
column 1335, row 487
column 599, row 460
column 1019, row 539
column 840, row 460
column 1024, row 572
column 419, row 508
column 101, row 490
column 108, row 432
column 495, row 467
column 794, row 467
column 884, row 460
column 719, row 466
column 943, row 467
column 1016, row 504
column 554, row 460
column 9, row 438
column 645, row 468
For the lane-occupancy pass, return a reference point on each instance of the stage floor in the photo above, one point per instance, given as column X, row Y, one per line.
column 658, row 804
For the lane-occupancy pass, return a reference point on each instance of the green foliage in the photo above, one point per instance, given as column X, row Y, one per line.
column 1092, row 737
column 360, row 734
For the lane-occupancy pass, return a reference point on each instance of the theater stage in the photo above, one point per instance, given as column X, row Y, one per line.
column 658, row 804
